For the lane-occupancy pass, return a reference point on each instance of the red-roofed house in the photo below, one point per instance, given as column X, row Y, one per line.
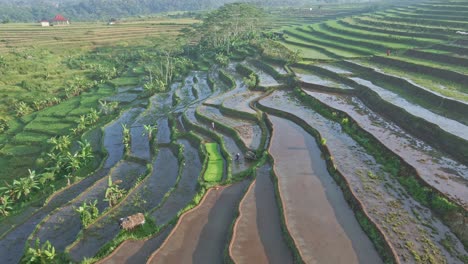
column 60, row 20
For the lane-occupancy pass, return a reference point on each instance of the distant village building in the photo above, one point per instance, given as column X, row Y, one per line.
column 59, row 20
column 45, row 23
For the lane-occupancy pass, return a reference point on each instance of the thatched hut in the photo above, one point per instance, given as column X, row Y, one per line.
column 132, row 221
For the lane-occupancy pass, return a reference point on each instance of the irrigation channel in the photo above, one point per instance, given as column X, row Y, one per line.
column 312, row 194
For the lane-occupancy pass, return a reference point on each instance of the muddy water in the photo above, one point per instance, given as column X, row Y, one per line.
column 64, row 224
column 240, row 102
column 231, row 145
column 185, row 93
column 444, row 174
column 136, row 251
column 310, row 78
column 314, row 206
column 240, row 87
column 409, row 227
column 202, row 86
column 248, row 131
column 266, row 80
column 143, row 199
column 186, row 188
column 449, row 125
column 139, row 143
column 257, row 233
column 202, row 234
column 12, row 243
column 113, row 137
column 279, row 69
column 334, row 68
column 164, row 133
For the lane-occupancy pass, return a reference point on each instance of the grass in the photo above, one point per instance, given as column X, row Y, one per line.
column 214, row 170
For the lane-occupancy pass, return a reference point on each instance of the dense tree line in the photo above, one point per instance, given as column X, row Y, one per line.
column 79, row 10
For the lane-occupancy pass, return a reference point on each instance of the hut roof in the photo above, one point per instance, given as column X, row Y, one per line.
column 60, row 18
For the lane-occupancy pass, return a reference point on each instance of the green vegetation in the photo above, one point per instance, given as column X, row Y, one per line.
column 41, row 254
column 215, row 168
column 88, row 212
column 57, row 97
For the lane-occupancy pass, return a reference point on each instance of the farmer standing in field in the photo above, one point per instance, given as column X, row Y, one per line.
column 212, row 125
column 388, row 52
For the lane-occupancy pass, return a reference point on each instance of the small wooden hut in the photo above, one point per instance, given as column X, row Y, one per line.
column 132, row 221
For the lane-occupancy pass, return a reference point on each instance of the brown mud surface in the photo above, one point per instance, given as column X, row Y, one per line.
column 136, row 251
column 449, row 125
column 257, row 233
column 410, row 229
column 313, row 204
column 248, row 131
column 202, row 233
column 444, row 174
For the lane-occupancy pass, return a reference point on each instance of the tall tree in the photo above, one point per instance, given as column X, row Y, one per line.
column 231, row 25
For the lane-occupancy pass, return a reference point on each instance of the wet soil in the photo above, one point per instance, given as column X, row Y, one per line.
column 334, row 68
column 185, row 93
column 147, row 196
column 164, row 133
column 63, row 225
column 231, row 145
column 311, row 78
column 266, row 80
column 202, row 233
column 451, row 126
column 409, row 227
column 113, row 136
column 444, row 174
column 136, row 251
column 240, row 102
column 139, row 142
column 12, row 243
column 313, row 204
column 186, row 188
column 248, row 131
column 257, row 233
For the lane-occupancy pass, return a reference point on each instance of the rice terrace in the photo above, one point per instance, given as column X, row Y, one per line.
column 268, row 132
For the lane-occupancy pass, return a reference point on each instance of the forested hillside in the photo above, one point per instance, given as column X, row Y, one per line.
column 79, row 10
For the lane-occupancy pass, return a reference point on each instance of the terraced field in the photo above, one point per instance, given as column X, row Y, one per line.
column 349, row 155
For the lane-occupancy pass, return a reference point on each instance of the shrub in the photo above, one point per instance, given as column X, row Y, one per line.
column 40, row 254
